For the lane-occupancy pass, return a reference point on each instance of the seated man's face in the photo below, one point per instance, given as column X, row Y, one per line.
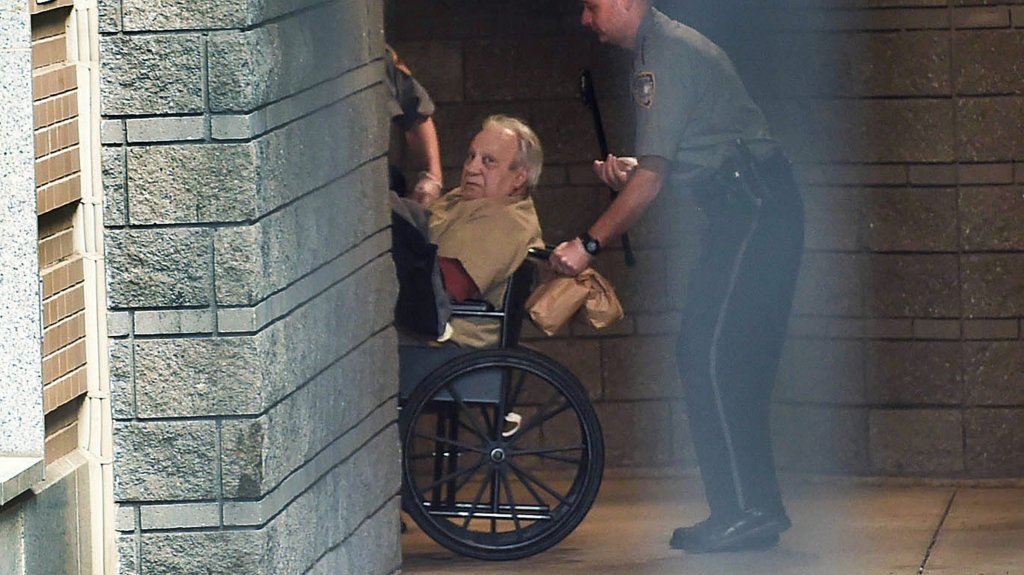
column 487, row 171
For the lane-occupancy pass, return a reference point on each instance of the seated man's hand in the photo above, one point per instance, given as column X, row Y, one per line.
column 615, row 171
column 569, row 258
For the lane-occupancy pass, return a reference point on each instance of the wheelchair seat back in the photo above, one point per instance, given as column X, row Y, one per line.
column 519, row 287
column 416, row 362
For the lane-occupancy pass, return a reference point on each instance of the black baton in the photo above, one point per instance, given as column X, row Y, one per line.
column 587, row 95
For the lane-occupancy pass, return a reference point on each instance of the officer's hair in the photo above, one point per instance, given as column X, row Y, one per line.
column 529, row 154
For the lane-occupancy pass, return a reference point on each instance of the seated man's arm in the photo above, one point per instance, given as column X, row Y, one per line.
column 457, row 280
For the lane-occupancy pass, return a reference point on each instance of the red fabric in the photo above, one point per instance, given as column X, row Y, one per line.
column 456, row 280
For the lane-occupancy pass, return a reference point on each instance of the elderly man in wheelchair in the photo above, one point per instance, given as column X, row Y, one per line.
column 484, row 227
column 502, row 450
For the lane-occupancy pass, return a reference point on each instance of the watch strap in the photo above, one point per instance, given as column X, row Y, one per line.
column 590, row 244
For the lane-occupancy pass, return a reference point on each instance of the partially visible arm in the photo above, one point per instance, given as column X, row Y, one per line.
column 457, row 281
column 424, row 154
column 643, row 186
column 411, row 110
column 569, row 258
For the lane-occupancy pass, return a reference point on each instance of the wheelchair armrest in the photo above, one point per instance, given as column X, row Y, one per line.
column 471, row 306
column 541, row 253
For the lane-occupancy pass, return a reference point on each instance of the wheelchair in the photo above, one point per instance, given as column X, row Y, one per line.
column 502, row 450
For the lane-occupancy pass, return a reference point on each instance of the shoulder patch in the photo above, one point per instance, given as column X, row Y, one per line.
column 643, row 89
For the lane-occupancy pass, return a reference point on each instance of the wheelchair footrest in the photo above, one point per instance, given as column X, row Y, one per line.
column 480, row 511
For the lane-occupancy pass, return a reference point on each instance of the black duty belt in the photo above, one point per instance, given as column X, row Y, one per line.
column 743, row 183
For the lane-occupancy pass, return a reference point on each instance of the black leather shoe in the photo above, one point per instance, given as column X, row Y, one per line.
column 686, row 538
column 681, row 534
column 755, row 529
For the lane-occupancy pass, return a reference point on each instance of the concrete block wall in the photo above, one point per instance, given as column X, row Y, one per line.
column 253, row 366
column 907, row 128
column 904, row 122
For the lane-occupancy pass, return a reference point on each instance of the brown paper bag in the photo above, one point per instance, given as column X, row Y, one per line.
column 555, row 301
column 558, row 299
column 603, row 306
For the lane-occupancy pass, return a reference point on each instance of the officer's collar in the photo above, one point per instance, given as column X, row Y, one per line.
column 643, row 32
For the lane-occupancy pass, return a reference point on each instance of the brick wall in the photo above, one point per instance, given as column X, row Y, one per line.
column 253, row 364
column 904, row 121
column 58, row 184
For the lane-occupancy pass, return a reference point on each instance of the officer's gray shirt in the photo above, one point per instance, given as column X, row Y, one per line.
column 691, row 106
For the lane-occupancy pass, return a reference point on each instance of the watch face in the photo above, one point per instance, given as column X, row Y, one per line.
column 591, row 246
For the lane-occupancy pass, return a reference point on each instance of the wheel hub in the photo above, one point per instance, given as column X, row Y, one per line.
column 498, row 455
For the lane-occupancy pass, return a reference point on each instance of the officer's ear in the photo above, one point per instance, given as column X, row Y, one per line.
column 631, row 5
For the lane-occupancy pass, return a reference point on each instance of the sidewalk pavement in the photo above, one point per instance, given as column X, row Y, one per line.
column 840, row 527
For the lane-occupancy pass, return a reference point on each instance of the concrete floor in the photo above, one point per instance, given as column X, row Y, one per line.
column 839, row 528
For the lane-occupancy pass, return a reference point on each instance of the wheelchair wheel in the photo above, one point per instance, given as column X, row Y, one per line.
column 503, row 454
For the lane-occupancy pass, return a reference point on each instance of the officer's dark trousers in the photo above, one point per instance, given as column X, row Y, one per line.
column 734, row 326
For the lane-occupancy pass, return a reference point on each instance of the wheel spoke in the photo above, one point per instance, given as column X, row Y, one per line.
column 495, row 496
column 539, row 483
column 474, row 424
column 559, row 458
column 462, row 482
column 539, row 418
column 451, row 476
column 511, row 500
column 446, row 441
column 528, row 485
column 476, row 500
column 491, row 424
column 549, row 453
column 495, row 500
column 462, row 424
column 510, row 402
column 549, row 450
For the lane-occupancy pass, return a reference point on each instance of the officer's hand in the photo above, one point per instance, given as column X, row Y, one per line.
column 615, row 171
column 427, row 190
column 569, row 258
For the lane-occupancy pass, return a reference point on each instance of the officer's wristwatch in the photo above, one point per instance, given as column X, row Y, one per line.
column 591, row 245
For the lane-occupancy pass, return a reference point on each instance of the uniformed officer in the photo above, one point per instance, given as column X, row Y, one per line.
column 698, row 130
column 414, row 147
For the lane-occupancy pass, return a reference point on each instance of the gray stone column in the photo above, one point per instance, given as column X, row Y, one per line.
column 250, row 288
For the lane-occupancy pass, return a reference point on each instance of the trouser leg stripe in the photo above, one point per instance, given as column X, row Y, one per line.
column 713, row 363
